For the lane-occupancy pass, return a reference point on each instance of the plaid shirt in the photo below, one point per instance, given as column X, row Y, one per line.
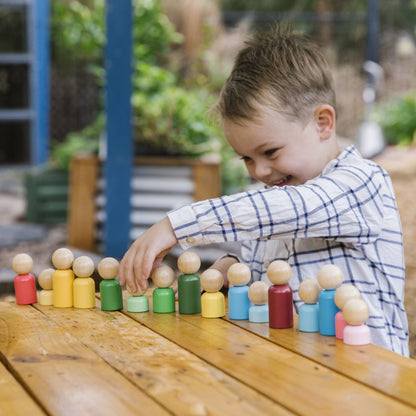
column 346, row 216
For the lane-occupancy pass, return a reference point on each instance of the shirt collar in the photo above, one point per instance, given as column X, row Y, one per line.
column 349, row 151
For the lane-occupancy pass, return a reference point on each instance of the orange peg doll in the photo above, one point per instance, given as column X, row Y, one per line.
column 63, row 278
column 24, row 282
column 84, row 286
column 45, row 282
column 212, row 301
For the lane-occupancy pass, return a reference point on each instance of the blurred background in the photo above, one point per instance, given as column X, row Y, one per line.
column 183, row 51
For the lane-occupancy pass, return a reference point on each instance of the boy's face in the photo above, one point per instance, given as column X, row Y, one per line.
column 278, row 151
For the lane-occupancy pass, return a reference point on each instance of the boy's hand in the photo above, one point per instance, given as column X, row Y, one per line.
column 223, row 264
column 146, row 253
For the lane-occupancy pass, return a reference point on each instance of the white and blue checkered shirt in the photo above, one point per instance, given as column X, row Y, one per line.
column 346, row 216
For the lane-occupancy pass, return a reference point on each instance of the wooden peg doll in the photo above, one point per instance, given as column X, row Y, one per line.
column 342, row 295
column 138, row 301
column 63, row 278
column 280, row 295
column 258, row 295
column 110, row 289
column 356, row 312
column 329, row 278
column 189, row 284
column 309, row 291
column 239, row 275
column 84, row 286
column 212, row 301
column 163, row 295
column 24, row 282
column 45, row 282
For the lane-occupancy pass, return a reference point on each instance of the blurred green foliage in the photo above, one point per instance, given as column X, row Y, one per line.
column 83, row 141
column 77, row 32
column 398, row 119
column 400, row 14
column 348, row 32
column 169, row 118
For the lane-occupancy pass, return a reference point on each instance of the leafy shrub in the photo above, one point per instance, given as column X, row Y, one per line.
column 83, row 141
column 168, row 118
column 398, row 119
column 77, row 32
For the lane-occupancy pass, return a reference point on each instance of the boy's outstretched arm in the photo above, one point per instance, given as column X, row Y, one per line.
column 223, row 264
column 146, row 253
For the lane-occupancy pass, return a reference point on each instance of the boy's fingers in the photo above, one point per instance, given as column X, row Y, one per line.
column 122, row 274
column 137, row 275
column 127, row 273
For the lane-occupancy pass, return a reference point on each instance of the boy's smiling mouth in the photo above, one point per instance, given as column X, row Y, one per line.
column 281, row 182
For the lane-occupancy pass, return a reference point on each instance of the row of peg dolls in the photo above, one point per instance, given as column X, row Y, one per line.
column 59, row 286
column 329, row 307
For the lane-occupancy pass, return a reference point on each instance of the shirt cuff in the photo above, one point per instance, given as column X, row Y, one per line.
column 186, row 227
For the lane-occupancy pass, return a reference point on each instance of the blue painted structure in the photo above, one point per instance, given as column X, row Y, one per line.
column 118, row 163
column 39, row 22
column 36, row 57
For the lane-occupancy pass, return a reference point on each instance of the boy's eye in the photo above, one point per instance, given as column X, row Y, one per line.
column 270, row 152
column 245, row 159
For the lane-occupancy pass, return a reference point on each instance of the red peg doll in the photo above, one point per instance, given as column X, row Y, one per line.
column 280, row 295
column 24, row 282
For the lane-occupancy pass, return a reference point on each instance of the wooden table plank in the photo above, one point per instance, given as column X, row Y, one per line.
column 14, row 400
column 299, row 384
column 61, row 372
column 184, row 383
column 390, row 373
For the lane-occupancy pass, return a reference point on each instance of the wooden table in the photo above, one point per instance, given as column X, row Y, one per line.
column 89, row 362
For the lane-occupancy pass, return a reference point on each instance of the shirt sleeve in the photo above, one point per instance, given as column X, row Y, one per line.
column 344, row 205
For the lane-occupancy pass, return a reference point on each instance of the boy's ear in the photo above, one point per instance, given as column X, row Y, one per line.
column 325, row 121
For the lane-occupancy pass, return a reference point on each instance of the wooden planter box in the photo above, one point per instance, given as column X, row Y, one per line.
column 158, row 185
column 46, row 196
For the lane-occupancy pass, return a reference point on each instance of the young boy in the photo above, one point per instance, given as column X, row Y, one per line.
column 320, row 205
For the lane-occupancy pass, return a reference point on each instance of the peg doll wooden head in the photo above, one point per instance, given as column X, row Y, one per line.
column 344, row 293
column 62, row 258
column 330, row 277
column 45, row 279
column 22, row 263
column 309, row 291
column 108, row 268
column 355, row 311
column 189, row 262
column 258, row 293
column 239, row 274
column 279, row 272
column 211, row 280
column 163, row 276
column 83, row 266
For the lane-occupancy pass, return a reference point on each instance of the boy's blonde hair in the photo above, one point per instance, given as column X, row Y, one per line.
column 279, row 68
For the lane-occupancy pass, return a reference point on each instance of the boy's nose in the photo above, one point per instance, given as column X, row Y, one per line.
column 262, row 170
